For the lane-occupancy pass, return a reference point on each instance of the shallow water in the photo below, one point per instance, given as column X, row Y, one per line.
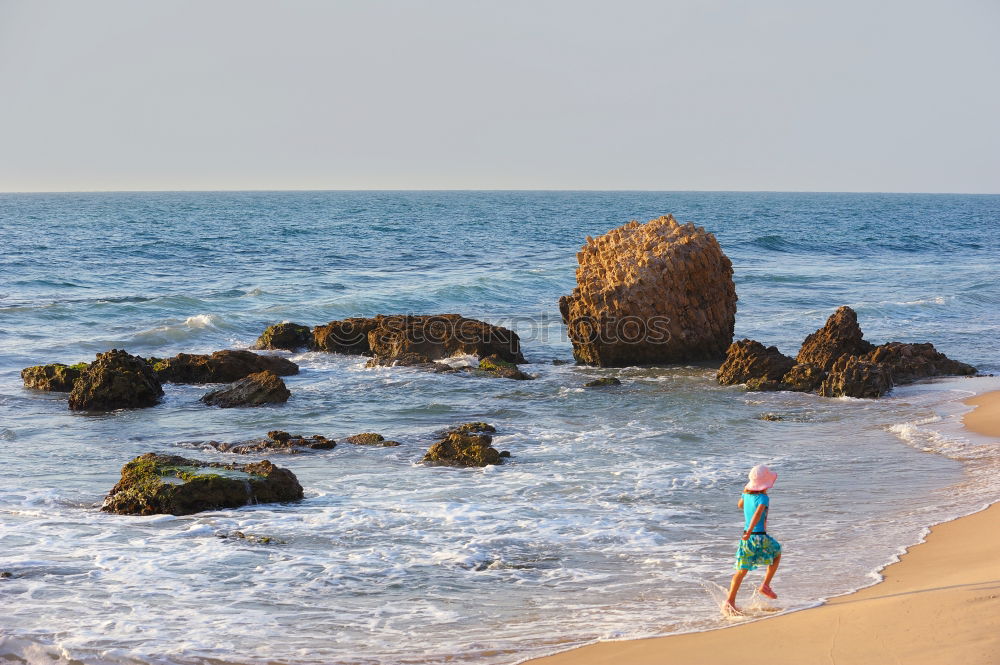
column 617, row 513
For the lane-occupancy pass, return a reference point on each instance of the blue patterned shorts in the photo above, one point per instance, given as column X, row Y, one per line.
column 758, row 550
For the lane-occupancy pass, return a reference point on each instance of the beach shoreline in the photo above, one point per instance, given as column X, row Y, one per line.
column 939, row 603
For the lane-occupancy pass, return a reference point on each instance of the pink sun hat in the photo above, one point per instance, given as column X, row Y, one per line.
column 761, row 478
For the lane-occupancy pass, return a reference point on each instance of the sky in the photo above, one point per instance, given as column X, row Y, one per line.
column 777, row 95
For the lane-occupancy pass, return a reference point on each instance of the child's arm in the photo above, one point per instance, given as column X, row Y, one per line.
column 753, row 521
column 739, row 504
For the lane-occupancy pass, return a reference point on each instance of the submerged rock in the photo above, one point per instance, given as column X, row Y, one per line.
column 840, row 336
column 115, row 380
column 605, row 381
column 370, row 439
column 500, row 368
column 652, row 293
column 773, row 417
column 276, row 441
column 285, row 336
column 748, row 359
column 219, row 367
column 255, row 390
column 56, row 377
column 463, row 449
column 250, row 538
column 152, row 484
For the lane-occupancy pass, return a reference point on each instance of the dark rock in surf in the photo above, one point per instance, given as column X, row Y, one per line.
column 605, row 381
column 220, row 367
column 56, row 377
column 441, row 336
column 496, row 366
column 345, row 336
column 286, row 337
column 464, row 450
column 852, row 377
column 152, row 484
column 803, row 377
column 911, row 362
column 370, row 439
column 255, row 390
column 747, row 359
column 276, row 441
column 840, row 336
column 115, row 380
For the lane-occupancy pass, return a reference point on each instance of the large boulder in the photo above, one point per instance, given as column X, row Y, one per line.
column 652, row 293
column 852, row 377
column 220, row 367
column 56, row 377
column 255, row 390
column 115, row 380
column 152, row 484
column 441, row 336
column 803, row 377
column 910, row 362
column 748, row 359
column 345, row 336
column 285, row 336
column 840, row 336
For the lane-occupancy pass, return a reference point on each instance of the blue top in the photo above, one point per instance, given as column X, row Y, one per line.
column 750, row 503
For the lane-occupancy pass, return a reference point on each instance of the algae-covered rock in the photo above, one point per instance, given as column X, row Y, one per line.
column 500, row 368
column 151, row 484
column 462, row 447
column 56, row 377
column 115, row 380
column 370, row 439
column 219, row 367
column 285, row 336
column 605, row 381
column 255, row 390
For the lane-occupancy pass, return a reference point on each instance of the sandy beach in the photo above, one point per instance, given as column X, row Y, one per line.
column 939, row 604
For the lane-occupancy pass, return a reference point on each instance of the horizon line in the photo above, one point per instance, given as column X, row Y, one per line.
column 443, row 189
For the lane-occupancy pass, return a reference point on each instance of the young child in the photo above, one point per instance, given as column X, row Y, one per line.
column 756, row 548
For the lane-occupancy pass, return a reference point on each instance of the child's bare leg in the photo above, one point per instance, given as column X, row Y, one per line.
column 734, row 588
column 765, row 587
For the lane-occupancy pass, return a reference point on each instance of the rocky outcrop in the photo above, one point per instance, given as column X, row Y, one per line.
column 605, row 381
column 910, row 362
column 219, row 367
column 840, row 336
column 496, row 366
column 56, row 377
column 115, row 380
column 276, row 441
column 255, row 390
column 477, row 426
column 285, row 336
column 345, row 336
column 370, row 439
column 463, row 449
column 652, row 293
column 836, row 361
column 747, row 359
column 441, row 336
column 852, row 377
column 152, row 484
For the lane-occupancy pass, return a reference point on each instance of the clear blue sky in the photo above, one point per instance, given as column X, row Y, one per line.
column 536, row 94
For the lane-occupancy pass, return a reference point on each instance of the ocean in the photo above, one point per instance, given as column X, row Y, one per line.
column 616, row 516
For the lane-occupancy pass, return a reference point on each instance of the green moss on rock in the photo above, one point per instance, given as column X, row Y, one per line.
column 285, row 336
column 55, row 377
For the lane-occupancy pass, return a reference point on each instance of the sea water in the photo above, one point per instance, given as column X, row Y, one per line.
column 616, row 516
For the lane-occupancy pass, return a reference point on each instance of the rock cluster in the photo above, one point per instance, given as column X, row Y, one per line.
column 276, row 441
column 219, row 367
column 152, row 484
column 652, row 293
column 465, row 445
column 255, row 390
column 56, row 377
column 115, row 380
column 401, row 339
column 836, row 361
